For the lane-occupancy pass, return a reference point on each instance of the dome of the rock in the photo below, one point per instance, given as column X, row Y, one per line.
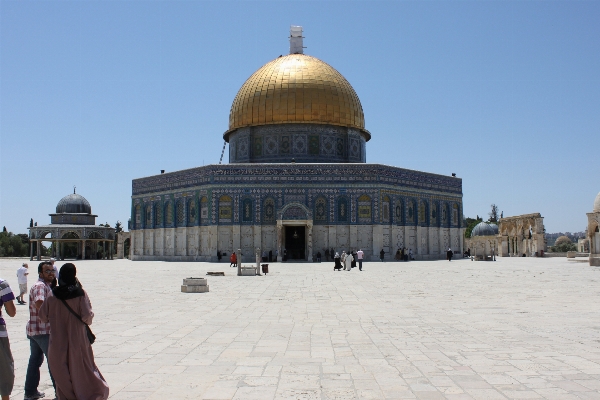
column 296, row 88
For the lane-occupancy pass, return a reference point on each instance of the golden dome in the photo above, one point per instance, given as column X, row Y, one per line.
column 296, row 88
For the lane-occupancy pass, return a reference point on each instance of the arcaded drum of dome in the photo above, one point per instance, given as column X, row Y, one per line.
column 296, row 88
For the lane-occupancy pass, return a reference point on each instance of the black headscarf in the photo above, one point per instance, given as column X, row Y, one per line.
column 68, row 285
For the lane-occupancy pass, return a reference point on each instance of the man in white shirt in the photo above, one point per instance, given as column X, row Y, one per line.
column 359, row 255
column 22, row 280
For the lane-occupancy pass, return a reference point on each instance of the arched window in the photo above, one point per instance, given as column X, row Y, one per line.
column 433, row 214
column 247, row 210
column 169, row 213
column 455, row 214
column 410, row 212
column 148, row 216
column 204, row 210
column 385, row 209
column 158, row 215
column 398, row 212
column 422, row 212
column 269, row 210
column 342, row 209
column 225, row 209
column 364, row 209
column 138, row 217
column 179, row 210
column 192, row 212
column 445, row 214
column 320, row 209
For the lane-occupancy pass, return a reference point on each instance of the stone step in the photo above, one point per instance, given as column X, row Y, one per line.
column 195, row 281
column 194, row 289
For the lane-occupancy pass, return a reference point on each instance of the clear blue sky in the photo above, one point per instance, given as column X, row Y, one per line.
column 505, row 94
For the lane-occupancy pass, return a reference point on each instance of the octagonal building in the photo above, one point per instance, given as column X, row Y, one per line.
column 297, row 182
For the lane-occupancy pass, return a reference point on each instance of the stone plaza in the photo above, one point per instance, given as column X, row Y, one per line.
column 517, row 328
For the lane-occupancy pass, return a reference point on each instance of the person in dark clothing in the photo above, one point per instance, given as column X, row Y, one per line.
column 270, row 255
column 402, row 254
column 338, row 263
column 219, row 255
column 381, row 255
column 449, row 254
column 353, row 263
column 326, row 254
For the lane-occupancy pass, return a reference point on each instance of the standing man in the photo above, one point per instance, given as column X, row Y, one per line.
column 381, row 255
column 22, row 280
column 449, row 254
column 38, row 332
column 7, row 364
column 360, row 254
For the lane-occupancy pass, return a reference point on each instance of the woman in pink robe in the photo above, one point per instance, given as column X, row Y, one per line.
column 70, row 355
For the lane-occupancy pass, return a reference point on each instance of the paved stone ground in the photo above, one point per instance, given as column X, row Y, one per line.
column 518, row 328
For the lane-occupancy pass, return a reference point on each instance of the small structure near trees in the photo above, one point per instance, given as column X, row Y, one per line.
column 73, row 232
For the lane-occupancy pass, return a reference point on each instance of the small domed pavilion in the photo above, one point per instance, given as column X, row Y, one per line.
column 73, row 222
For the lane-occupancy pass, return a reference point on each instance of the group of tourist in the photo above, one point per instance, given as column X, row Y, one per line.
column 60, row 313
column 348, row 260
column 404, row 254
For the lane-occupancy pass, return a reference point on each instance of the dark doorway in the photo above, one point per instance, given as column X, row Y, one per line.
column 295, row 242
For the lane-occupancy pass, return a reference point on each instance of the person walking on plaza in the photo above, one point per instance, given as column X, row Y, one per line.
column 381, row 255
column 22, row 280
column 7, row 364
column 360, row 255
column 410, row 255
column 337, row 264
column 233, row 260
column 71, row 357
column 343, row 259
column 38, row 332
column 398, row 256
column 353, row 263
column 349, row 260
column 270, row 255
column 449, row 254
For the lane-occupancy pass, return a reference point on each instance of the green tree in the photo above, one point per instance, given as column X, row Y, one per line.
column 563, row 244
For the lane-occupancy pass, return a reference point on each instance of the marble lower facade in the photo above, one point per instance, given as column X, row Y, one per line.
column 201, row 243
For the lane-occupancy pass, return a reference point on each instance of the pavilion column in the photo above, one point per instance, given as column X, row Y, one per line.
column 39, row 257
column 83, row 249
column 30, row 250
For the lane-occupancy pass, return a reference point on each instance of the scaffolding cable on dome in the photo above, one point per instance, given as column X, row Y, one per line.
column 296, row 44
column 222, row 152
